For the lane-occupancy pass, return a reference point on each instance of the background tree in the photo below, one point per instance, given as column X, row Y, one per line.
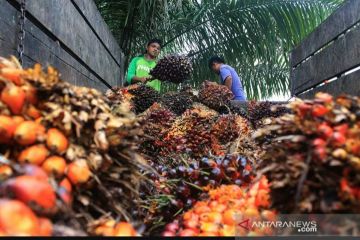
column 254, row 36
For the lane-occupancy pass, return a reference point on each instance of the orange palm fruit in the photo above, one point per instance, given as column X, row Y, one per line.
column 124, row 229
column 78, row 172
column 33, row 112
column 13, row 75
column 29, row 189
column 55, row 165
column 5, row 171
column 106, row 228
column 56, row 140
column 18, row 120
column 35, row 154
column 209, row 227
column 28, row 132
column 35, row 171
column 232, row 216
column 7, row 129
column 16, row 219
column 14, row 98
column 46, row 227
column 229, row 230
column 208, row 234
column 187, row 233
column 30, row 94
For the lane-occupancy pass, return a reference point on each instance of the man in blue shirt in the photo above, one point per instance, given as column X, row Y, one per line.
column 228, row 77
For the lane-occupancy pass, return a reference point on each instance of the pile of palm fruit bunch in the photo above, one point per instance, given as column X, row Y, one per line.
column 142, row 97
column 173, row 68
column 312, row 157
column 65, row 159
column 258, row 112
column 224, row 208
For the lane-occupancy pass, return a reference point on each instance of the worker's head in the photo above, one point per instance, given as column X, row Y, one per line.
column 215, row 63
column 153, row 47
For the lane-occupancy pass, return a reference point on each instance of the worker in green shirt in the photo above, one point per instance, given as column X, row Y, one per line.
column 140, row 66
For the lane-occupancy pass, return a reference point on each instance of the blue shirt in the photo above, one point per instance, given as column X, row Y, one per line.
column 236, row 86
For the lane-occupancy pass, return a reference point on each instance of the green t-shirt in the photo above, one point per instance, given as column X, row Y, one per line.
column 140, row 67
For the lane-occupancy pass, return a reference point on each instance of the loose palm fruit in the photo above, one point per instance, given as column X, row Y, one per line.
column 35, row 154
column 56, row 140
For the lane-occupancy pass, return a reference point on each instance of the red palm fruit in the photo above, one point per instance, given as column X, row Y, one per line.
column 54, row 165
column 14, row 98
column 320, row 152
column 303, row 108
column 13, row 75
column 28, row 132
column 325, row 130
column 78, row 172
column 187, row 233
column 66, row 184
column 46, row 227
column 30, row 189
column 35, row 154
column 35, row 171
column 319, row 110
column 168, row 234
column 353, row 146
column 56, row 140
column 30, row 94
column 338, row 139
column 7, row 129
column 191, row 223
column 343, row 128
column 124, row 229
column 33, row 112
column 172, row 227
column 16, row 219
column 319, row 142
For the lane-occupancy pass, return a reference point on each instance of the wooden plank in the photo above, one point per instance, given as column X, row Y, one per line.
column 342, row 55
column 66, row 23
column 93, row 16
column 349, row 84
column 8, row 28
column 338, row 22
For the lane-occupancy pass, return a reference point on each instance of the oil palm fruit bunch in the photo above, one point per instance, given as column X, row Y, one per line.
column 118, row 97
column 178, row 102
column 227, row 128
column 190, row 133
column 215, row 96
column 222, row 212
column 258, row 111
column 62, row 148
column 173, row 68
column 143, row 97
column 157, row 120
column 312, row 157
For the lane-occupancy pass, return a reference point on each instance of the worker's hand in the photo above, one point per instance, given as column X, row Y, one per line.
column 147, row 79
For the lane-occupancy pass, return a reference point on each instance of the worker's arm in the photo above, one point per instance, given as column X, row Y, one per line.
column 228, row 82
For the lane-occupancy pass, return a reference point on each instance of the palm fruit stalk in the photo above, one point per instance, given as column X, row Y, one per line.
column 61, row 152
column 172, row 68
column 312, row 157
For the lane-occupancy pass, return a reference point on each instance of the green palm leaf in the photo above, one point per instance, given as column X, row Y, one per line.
column 254, row 36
